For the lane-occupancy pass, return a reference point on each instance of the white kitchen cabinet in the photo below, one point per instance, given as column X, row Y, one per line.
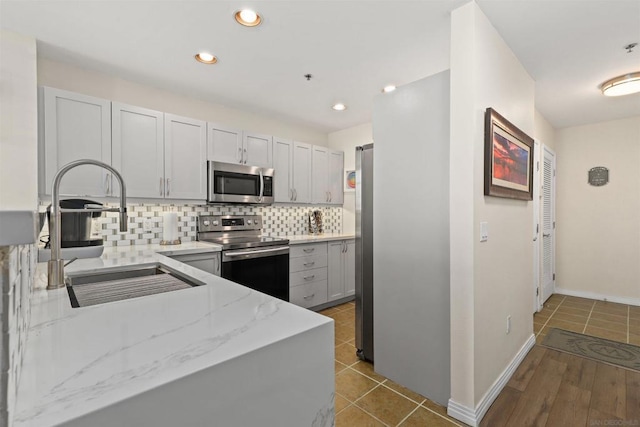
column 138, row 149
column 308, row 274
column 185, row 152
column 74, row 127
column 230, row 145
column 341, row 269
column 292, row 164
column 209, row 261
column 327, row 172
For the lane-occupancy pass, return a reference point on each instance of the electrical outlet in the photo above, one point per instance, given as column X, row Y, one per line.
column 148, row 224
column 508, row 324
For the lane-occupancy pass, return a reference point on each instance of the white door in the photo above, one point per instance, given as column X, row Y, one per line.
column 185, row 155
column 301, row 181
column 138, row 149
column 548, row 223
column 537, row 231
column 320, row 173
column 76, row 127
column 258, row 150
column 282, row 162
column 336, row 172
column 224, row 144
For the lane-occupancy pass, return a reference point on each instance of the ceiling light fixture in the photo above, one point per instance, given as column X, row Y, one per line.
column 389, row 88
column 248, row 18
column 206, row 58
column 339, row 107
column 622, row 85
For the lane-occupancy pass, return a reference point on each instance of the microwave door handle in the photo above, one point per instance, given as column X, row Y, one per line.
column 261, row 186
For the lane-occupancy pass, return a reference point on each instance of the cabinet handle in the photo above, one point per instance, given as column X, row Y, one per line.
column 309, row 277
column 240, row 154
column 309, row 264
column 168, row 186
column 309, row 296
column 309, row 250
column 161, row 188
column 245, row 156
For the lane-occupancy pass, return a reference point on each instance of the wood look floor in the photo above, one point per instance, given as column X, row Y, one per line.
column 551, row 388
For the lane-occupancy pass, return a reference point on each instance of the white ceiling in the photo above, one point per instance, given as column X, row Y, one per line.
column 352, row 48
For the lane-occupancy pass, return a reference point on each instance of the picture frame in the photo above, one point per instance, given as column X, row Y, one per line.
column 508, row 159
column 349, row 180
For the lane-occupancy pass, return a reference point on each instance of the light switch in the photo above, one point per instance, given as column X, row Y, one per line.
column 484, row 231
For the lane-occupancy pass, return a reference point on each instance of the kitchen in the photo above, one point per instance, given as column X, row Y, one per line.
column 107, row 83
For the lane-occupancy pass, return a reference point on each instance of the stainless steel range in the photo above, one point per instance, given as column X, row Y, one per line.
column 248, row 258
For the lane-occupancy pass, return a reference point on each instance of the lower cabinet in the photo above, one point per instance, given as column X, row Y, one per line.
column 342, row 269
column 209, row 261
column 308, row 274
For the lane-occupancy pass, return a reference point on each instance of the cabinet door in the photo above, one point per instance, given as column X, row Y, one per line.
column 301, row 180
column 138, row 149
column 282, row 165
column 185, row 155
column 224, row 144
column 336, row 175
column 75, row 127
column 257, row 150
column 319, row 169
column 335, row 271
column 350, row 268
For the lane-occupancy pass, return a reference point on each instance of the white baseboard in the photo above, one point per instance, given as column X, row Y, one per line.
column 474, row 416
column 597, row 296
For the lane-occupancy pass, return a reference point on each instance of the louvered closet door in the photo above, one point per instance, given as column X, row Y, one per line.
column 548, row 224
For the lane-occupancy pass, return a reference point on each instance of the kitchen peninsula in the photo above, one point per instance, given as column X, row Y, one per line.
column 216, row 354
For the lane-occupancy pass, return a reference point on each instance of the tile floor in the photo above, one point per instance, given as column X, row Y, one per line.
column 364, row 398
column 616, row 322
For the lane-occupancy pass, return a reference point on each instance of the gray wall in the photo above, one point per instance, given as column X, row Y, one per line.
column 411, row 243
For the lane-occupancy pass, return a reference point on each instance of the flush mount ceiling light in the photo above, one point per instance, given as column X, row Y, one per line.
column 622, row 85
column 206, row 58
column 389, row 88
column 248, row 18
column 339, row 107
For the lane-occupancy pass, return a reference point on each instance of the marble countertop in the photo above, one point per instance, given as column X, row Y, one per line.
column 78, row 360
column 298, row 239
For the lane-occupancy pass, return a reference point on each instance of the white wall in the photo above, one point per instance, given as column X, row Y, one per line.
column 489, row 280
column 544, row 132
column 347, row 140
column 18, row 123
column 89, row 82
column 598, row 228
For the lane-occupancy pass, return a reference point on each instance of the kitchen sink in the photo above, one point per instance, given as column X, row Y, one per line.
column 86, row 289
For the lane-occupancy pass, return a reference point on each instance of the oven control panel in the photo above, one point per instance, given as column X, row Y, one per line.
column 210, row 223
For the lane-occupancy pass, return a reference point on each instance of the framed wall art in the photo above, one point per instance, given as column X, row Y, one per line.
column 508, row 159
column 349, row 180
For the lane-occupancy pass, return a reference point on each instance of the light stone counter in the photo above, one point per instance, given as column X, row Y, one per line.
column 220, row 354
column 314, row 238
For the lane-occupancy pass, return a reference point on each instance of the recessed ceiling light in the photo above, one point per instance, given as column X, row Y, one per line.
column 389, row 88
column 206, row 58
column 248, row 18
column 339, row 107
column 622, row 85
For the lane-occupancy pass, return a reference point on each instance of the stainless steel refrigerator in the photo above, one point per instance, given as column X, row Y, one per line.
column 364, row 252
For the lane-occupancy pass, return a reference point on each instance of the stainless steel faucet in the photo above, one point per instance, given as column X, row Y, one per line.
column 56, row 263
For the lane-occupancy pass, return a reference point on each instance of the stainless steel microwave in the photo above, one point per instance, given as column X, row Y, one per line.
column 233, row 183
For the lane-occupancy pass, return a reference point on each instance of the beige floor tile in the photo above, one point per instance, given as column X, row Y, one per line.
column 339, row 367
column 634, row 311
column 570, row 298
column 609, row 317
column 416, row 397
column 386, row 405
column 346, row 316
column 341, row 403
column 612, row 326
column 352, row 385
column 582, row 305
column 346, row 353
column 540, row 338
column 634, row 339
column 345, row 331
column 573, row 310
column 634, row 328
column 537, row 327
column 356, row 417
column 611, row 308
column 575, row 318
column 567, row 326
column 366, row 368
column 424, row 418
column 607, row 334
column 541, row 317
column 633, row 322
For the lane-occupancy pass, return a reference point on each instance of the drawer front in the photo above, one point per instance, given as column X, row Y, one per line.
column 307, row 276
column 296, row 251
column 307, row 263
column 309, row 295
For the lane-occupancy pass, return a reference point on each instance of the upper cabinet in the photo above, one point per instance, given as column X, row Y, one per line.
column 335, row 177
column 74, row 127
column 185, row 149
column 301, row 181
column 320, row 170
column 283, row 170
column 235, row 146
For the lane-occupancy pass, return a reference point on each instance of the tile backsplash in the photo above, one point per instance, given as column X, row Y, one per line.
column 17, row 272
column 145, row 221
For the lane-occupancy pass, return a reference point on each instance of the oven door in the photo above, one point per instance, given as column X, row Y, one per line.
column 231, row 183
column 263, row 269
